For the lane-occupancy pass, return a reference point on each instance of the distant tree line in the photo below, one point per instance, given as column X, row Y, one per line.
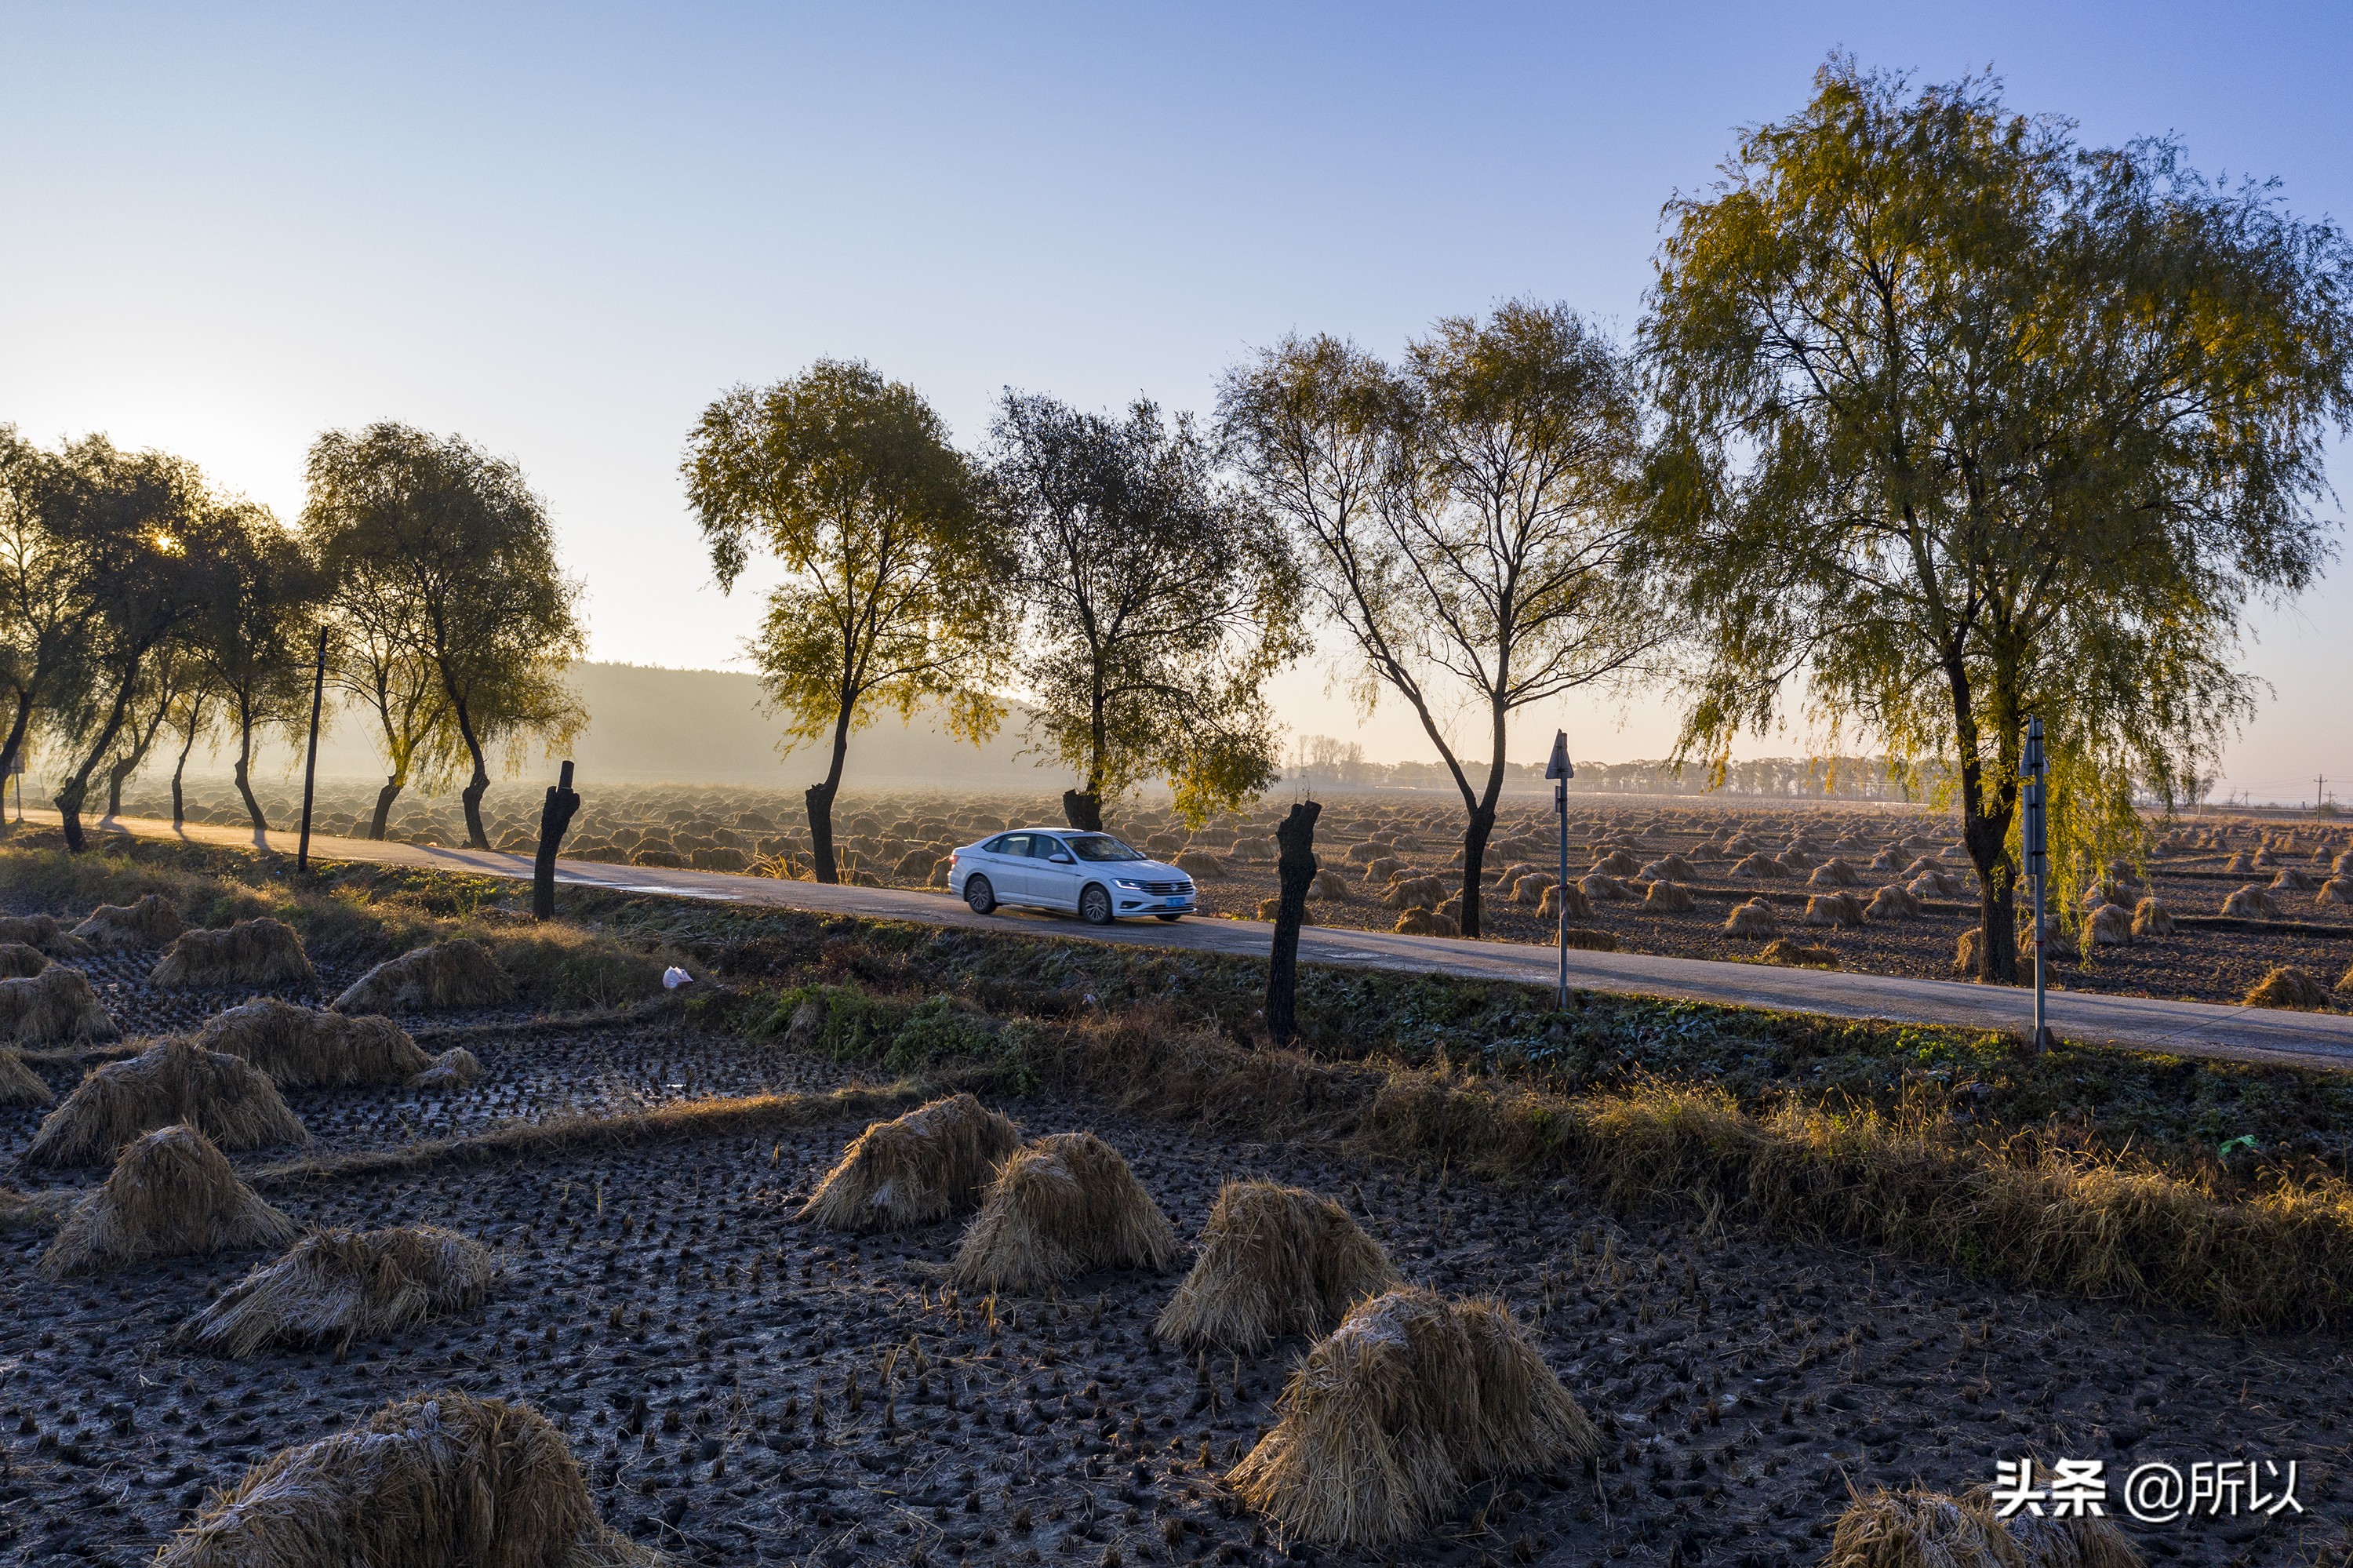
column 1325, row 761
column 140, row 606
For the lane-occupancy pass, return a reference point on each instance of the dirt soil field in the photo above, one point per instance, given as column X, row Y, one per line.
column 1374, row 842
column 743, row 1389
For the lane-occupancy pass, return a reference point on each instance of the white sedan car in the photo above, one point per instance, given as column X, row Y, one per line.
column 1092, row 875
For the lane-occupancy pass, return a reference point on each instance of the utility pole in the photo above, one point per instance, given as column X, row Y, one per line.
column 2037, row 862
column 1560, row 773
column 2319, row 795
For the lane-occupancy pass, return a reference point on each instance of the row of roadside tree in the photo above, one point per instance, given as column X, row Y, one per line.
column 1936, row 419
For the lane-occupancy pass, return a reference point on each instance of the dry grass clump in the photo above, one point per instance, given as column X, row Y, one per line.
column 930, row 1163
column 1061, row 1205
column 1799, row 955
column 52, row 1007
column 2336, row 890
column 250, row 952
column 121, row 927
column 1604, row 887
column 1754, row 920
column 457, row 973
column 171, row 1194
column 1412, row 1399
column 2290, row 987
column 1585, row 939
column 230, row 1101
column 20, row 1084
column 1834, row 909
column 1267, row 908
column 1758, row 868
column 2252, row 903
column 1419, row 922
column 306, row 1047
column 43, row 931
column 1273, row 1260
column 1617, row 862
column 1921, row 1530
column 2151, row 918
column 445, row 1481
column 19, row 960
column 339, row 1285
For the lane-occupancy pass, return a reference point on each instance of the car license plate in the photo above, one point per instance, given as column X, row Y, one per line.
column 1174, row 902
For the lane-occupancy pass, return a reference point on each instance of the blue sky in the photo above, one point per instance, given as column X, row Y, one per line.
column 562, row 230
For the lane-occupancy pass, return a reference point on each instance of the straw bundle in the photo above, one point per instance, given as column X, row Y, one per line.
column 43, row 931
column 250, row 952
column 1273, row 1260
column 20, row 1084
column 457, row 973
column 123, row 927
column 171, row 1194
column 1061, row 1206
column 1921, row 1530
column 2289, row 987
column 339, row 1285
column 52, row 1007
column 1412, row 1399
column 231, row 1102
column 925, row 1165
column 1754, row 920
column 447, row 1480
column 306, row 1047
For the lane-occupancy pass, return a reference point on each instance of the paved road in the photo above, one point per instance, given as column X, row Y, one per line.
column 2192, row 1028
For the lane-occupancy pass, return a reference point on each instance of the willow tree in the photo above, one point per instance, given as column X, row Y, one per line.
column 1159, row 602
column 894, row 585
column 1963, row 423
column 147, row 532
column 49, row 596
column 1465, row 520
column 454, row 548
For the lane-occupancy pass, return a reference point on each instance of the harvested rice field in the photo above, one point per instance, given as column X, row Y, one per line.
column 1392, row 852
column 739, row 1384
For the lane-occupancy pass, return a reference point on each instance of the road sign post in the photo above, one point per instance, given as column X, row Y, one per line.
column 1560, row 773
column 2038, row 860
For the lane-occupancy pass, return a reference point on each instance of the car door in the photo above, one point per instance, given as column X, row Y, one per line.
column 1007, row 868
column 1054, row 872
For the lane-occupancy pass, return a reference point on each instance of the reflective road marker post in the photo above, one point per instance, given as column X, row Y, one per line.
column 1560, row 773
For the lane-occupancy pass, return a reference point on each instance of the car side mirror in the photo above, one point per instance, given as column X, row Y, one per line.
column 1061, row 859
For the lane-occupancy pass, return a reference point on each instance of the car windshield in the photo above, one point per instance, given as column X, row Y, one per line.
column 1100, row 846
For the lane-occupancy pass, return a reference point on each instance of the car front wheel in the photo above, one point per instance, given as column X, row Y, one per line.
column 979, row 895
column 1094, row 907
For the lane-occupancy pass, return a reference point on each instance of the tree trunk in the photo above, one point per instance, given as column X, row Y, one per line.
column 1083, row 808
column 471, row 795
column 819, row 799
column 241, row 772
column 393, row 784
column 179, row 769
column 556, row 814
column 77, row 789
column 1482, row 826
column 1296, row 869
column 15, row 745
column 1998, row 961
column 124, row 767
